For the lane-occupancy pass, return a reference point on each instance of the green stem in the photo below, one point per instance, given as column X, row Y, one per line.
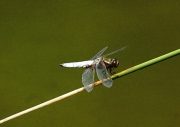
column 120, row 74
column 146, row 64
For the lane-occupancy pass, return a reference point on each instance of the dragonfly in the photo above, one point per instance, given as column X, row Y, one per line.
column 98, row 63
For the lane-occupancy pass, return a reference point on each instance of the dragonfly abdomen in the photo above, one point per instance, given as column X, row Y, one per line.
column 83, row 64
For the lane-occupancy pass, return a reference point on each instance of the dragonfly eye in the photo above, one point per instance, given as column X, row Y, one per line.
column 115, row 63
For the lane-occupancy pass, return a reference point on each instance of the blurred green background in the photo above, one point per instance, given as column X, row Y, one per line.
column 36, row 36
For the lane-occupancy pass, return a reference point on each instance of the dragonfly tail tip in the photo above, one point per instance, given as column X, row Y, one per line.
column 61, row 65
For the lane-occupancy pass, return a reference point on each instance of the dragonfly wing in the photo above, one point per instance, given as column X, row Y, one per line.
column 88, row 79
column 103, row 75
column 115, row 51
column 99, row 53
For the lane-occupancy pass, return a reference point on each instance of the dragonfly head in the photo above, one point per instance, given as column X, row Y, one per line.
column 114, row 63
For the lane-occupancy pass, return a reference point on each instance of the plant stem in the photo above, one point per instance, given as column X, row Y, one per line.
column 115, row 76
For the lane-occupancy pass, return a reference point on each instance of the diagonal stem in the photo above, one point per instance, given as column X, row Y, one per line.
column 115, row 76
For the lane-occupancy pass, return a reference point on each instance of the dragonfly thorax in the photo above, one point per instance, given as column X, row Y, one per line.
column 111, row 63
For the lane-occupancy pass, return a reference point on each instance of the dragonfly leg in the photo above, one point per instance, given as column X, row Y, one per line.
column 110, row 70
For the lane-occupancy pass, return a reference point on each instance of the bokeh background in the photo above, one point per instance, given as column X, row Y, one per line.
column 36, row 36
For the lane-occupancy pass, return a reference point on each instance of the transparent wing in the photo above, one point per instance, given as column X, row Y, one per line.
column 115, row 51
column 102, row 74
column 88, row 79
column 99, row 53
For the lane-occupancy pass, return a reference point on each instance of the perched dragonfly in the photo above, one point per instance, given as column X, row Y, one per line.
column 99, row 63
